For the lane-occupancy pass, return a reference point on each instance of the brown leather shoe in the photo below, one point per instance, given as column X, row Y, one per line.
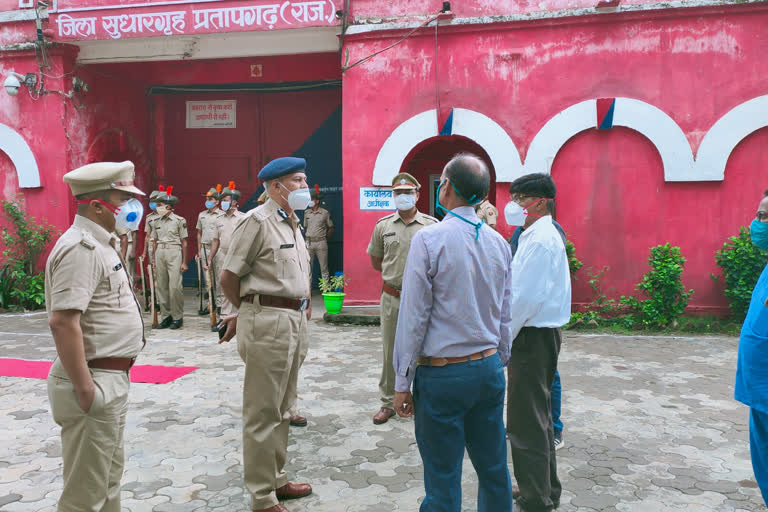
column 277, row 508
column 291, row 491
column 383, row 415
column 298, row 421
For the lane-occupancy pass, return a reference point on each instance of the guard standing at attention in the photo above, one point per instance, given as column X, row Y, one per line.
column 169, row 238
column 222, row 238
column 265, row 278
column 318, row 227
column 207, row 221
column 98, row 330
column 148, row 236
column 388, row 249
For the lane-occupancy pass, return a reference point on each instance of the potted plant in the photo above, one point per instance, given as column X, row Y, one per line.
column 333, row 293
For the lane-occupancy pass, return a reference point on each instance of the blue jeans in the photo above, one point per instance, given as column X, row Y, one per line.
column 462, row 405
column 556, row 394
column 758, row 444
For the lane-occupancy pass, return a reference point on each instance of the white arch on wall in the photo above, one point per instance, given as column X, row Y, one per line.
column 14, row 145
column 475, row 126
column 720, row 141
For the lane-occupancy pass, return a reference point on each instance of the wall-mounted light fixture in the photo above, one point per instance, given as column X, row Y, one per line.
column 14, row 81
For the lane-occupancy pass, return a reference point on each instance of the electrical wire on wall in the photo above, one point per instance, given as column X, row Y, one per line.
column 434, row 17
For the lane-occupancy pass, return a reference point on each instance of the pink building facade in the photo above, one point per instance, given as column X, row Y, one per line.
column 650, row 117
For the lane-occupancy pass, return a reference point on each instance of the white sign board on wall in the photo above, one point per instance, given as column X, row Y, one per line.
column 212, row 114
column 376, row 198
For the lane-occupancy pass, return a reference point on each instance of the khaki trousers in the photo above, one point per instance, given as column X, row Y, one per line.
column 92, row 442
column 227, row 308
column 390, row 307
column 273, row 344
column 170, row 292
column 217, row 264
column 319, row 249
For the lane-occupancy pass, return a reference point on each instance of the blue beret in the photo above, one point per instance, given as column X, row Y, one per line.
column 282, row 166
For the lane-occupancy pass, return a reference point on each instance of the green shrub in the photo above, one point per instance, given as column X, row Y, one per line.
column 573, row 262
column 662, row 298
column 334, row 284
column 24, row 239
column 741, row 263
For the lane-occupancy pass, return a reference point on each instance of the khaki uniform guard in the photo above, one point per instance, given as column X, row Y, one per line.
column 487, row 213
column 129, row 238
column 269, row 256
column 85, row 273
column 390, row 242
column 225, row 229
column 207, row 222
column 318, row 227
column 169, row 235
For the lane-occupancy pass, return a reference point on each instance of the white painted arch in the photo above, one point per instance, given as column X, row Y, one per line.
column 14, row 145
column 478, row 127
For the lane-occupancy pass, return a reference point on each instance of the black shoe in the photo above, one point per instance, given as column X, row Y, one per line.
column 203, row 312
column 176, row 324
column 166, row 323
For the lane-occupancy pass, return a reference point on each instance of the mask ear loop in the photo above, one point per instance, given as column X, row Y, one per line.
column 114, row 209
column 470, row 201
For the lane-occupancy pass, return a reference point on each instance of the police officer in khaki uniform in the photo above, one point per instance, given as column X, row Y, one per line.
column 128, row 241
column 487, row 213
column 318, row 228
column 388, row 249
column 222, row 238
column 265, row 278
column 148, row 238
column 169, row 238
column 207, row 220
column 97, row 326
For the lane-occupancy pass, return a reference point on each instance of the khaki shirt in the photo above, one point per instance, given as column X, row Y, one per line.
column 268, row 254
column 85, row 272
column 169, row 229
column 390, row 242
column 225, row 226
column 206, row 224
column 488, row 213
column 131, row 252
column 317, row 223
column 148, row 222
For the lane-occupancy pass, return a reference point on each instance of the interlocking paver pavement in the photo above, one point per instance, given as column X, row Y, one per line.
column 650, row 426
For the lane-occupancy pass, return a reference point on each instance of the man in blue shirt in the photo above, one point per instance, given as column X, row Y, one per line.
column 752, row 369
column 456, row 322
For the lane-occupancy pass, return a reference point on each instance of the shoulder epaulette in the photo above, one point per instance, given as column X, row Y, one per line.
column 87, row 243
column 257, row 214
column 385, row 218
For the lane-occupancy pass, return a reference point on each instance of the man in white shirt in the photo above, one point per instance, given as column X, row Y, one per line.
column 540, row 304
column 455, row 323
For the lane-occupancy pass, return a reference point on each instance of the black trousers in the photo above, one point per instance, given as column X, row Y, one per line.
column 530, row 373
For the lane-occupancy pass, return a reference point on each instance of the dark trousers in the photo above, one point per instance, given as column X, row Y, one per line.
column 457, row 406
column 758, row 440
column 530, row 374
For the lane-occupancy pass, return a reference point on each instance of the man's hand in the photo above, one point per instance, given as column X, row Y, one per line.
column 86, row 397
column 231, row 321
column 184, row 267
column 404, row 404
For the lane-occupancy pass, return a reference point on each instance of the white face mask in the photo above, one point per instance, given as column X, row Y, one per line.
column 298, row 199
column 162, row 209
column 129, row 215
column 514, row 214
column 405, row 202
column 225, row 205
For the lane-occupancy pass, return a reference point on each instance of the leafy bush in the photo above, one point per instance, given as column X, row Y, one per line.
column 23, row 241
column 741, row 263
column 334, row 284
column 662, row 298
column 573, row 262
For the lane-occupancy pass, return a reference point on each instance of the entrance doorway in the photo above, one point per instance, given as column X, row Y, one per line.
column 427, row 160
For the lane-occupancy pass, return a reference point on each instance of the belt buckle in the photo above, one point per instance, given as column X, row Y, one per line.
column 304, row 305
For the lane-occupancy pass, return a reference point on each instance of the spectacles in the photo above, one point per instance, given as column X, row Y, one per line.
column 762, row 216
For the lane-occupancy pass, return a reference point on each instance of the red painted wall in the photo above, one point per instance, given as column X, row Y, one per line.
column 613, row 201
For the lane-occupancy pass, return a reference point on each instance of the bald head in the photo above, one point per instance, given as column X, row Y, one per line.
column 470, row 176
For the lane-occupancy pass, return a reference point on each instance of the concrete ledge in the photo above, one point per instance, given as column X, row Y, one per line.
column 355, row 316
